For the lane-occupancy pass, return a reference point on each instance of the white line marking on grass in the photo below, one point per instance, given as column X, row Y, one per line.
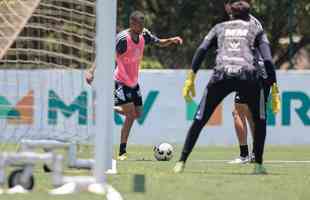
column 141, row 159
column 266, row 161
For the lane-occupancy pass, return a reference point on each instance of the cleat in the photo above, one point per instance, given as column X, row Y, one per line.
column 122, row 157
column 240, row 160
column 179, row 167
column 259, row 169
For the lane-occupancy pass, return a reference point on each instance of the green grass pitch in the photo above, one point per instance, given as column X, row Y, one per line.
column 206, row 176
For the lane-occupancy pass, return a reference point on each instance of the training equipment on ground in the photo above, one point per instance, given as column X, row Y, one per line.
column 163, row 152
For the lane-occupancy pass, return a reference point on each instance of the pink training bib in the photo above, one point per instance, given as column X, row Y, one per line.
column 128, row 63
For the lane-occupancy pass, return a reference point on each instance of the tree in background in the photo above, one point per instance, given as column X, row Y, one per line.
column 275, row 16
column 193, row 19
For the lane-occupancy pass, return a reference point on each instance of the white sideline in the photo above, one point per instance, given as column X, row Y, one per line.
column 266, row 161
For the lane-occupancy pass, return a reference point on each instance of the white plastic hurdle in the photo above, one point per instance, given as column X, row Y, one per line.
column 71, row 148
column 52, row 145
column 26, row 161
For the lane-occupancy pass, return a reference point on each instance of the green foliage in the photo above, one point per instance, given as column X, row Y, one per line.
column 189, row 19
column 150, row 63
column 193, row 19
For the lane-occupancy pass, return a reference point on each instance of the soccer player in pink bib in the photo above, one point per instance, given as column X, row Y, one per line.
column 129, row 53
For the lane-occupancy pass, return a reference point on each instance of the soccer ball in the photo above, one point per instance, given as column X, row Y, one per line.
column 163, row 152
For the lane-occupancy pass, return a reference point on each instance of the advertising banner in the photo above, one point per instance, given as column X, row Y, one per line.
column 58, row 104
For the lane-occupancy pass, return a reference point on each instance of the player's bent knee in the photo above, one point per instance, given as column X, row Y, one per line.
column 137, row 114
column 119, row 110
column 138, row 111
column 240, row 110
column 131, row 116
column 125, row 109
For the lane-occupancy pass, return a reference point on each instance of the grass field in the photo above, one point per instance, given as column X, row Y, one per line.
column 207, row 176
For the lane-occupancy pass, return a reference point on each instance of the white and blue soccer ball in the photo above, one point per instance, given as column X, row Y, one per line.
column 163, row 152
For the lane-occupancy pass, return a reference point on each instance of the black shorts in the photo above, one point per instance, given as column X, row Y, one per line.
column 124, row 94
column 241, row 99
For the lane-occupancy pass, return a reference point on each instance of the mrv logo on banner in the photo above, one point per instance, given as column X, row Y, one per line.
column 22, row 111
column 42, row 101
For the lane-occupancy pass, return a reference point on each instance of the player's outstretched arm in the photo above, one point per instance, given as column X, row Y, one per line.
column 189, row 86
column 169, row 41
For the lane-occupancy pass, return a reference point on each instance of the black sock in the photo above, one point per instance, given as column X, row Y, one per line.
column 184, row 157
column 244, row 150
column 122, row 148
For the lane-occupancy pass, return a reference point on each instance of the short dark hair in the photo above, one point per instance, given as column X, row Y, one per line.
column 233, row 1
column 137, row 15
column 240, row 9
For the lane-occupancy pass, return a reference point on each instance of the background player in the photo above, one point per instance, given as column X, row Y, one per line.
column 129, row 53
